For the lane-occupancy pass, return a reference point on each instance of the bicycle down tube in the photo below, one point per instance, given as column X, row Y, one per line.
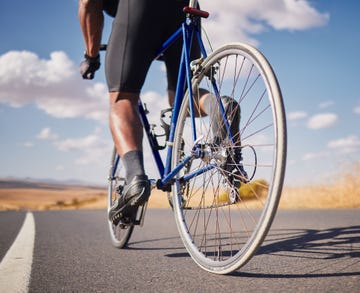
column 189, row 31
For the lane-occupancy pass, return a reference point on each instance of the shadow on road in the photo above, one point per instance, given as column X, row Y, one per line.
column 156, row 244
column 338, row 249
column 329, row 243
column 332, row 252
column 307, row 253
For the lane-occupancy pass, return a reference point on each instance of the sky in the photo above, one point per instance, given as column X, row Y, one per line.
column 54, row 125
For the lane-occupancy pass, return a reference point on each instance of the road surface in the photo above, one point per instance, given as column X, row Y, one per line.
column 305, row 251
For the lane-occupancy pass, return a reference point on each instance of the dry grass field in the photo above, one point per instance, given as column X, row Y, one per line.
column 342, row 192
column 48, row 197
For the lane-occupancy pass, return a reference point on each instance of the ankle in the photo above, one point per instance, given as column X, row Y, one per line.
column 134, row 164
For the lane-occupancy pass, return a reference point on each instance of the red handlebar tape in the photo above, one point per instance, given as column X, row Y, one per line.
column 195, row 11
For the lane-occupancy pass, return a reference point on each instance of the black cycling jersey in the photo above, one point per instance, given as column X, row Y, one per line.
column 139, row 29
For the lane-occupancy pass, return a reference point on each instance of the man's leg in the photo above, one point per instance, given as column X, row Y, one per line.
column 209, row 104
column 127, row 132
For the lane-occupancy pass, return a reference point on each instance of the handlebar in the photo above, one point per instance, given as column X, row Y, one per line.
column 192, row 3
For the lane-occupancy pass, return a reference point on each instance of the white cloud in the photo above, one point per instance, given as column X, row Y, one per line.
column 291, row 162
column 59, row 168
column 27, row 69
column 313, row 156
column 357, row 110
column 339, row 146
column 54, row 85
column 347, row 144
column 71, row 144
column 28, row 144
column 46, row 133
column 296, row 115
column 326, row 104
column 241, row 19
column 323, row 120
column 92, row 149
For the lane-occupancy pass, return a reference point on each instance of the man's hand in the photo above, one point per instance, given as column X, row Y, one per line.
column 89, row 66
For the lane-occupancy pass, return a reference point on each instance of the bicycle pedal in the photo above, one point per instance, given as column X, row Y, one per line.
column 135, row 219
column 142, row 212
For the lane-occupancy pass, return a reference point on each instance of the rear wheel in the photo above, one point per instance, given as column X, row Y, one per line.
column 222, row 225
column 120, row 234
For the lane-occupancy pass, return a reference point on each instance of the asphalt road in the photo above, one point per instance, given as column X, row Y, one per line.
column 305, row 251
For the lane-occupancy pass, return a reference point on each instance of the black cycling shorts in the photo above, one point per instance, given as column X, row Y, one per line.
column 110, row 7
column 139, row 29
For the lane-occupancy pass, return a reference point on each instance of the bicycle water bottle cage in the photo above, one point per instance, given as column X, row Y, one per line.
column 154, row 135
column 166, row 114
column 154, row 138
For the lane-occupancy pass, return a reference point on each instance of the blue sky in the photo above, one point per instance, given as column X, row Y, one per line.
column 54, row 125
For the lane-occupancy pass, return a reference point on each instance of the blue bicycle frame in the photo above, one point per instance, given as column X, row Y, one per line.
column 187, row 31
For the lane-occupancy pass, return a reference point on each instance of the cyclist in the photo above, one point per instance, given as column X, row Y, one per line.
column 139, row 28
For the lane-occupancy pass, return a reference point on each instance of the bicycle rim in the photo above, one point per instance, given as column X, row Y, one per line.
column 119, row 234
column 221, row 225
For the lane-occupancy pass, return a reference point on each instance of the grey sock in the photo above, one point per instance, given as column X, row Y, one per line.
column 134, row 164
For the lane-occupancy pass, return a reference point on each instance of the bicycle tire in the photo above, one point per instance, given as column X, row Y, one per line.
column 120, row 234
column 222, row 234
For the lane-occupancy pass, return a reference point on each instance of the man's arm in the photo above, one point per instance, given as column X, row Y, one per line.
column 91, row 20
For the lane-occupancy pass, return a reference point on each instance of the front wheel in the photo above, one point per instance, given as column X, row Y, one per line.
column 226, row 198
column 120, row 234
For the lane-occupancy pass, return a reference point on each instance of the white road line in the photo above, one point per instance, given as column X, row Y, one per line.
column 15, row 268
